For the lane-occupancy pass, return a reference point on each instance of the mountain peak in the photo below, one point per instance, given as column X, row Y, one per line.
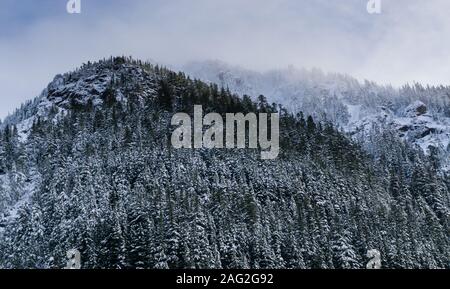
column 91, row 82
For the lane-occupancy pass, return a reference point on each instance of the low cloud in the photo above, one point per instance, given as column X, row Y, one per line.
column 406, row 42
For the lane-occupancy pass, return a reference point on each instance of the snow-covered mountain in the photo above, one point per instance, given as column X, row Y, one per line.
column 89, row 165
column 416, row 125
column 416, row 114
column 89, row 85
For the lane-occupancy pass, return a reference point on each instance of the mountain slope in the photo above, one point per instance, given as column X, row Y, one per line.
column 106, row 181
column 355, row 107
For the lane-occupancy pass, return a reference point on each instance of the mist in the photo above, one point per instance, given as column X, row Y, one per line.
column 405, row 43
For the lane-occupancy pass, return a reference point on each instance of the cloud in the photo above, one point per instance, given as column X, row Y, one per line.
column 405, row 43
column 413, row 46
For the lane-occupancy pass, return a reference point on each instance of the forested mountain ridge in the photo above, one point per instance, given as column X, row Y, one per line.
column 362, row 109
column 89, row 165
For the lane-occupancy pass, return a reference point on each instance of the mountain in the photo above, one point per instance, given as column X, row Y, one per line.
column 88, row 165
column 357, row 108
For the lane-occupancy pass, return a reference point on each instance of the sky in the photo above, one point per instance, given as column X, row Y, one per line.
column 407, row 42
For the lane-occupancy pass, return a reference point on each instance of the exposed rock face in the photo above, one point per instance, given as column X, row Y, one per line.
column 417, row 108
column 357, row 107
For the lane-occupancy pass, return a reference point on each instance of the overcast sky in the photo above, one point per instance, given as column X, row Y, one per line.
column 409, row 41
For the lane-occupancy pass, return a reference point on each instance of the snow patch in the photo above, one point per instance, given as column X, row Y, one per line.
column 12, row 213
